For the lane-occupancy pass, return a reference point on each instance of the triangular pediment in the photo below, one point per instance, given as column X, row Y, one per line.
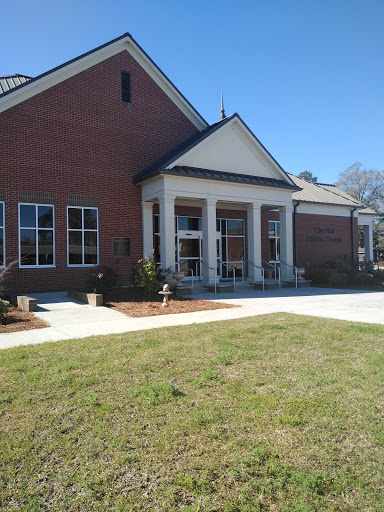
column 233, row 148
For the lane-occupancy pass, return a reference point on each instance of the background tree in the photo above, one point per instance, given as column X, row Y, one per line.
column 365, row 185
column 308, row 176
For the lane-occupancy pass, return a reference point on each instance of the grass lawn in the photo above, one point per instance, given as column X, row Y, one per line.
column 271, row 413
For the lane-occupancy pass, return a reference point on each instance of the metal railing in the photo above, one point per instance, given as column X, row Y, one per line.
column 256, row 266
column 290, row 266
column 209, row 268
column 234, row 273
column 276, row 269
column 188, row 270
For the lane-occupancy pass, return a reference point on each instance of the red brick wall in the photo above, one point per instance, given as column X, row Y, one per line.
column 322, row 238
column 78, row 138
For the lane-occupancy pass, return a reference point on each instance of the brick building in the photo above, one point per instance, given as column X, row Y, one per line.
column 102, row 159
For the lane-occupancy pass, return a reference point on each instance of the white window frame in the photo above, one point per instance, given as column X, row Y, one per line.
column 2, row 204
column 82, row 208
column 36, row 228
column 274, row 237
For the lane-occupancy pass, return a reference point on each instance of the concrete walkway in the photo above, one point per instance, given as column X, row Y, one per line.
column 70, row 319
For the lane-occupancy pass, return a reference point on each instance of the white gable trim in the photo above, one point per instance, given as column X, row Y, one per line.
column 248, row 138
column 77, row 66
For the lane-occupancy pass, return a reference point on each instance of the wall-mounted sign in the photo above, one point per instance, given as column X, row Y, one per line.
column 324, row 235
column 121, row 246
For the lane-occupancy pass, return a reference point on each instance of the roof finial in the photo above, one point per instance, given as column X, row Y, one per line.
column 222, row 112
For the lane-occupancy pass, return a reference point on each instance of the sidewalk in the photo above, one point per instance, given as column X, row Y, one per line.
column 70, row 319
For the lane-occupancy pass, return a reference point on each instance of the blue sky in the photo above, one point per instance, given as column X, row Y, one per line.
column 305, row 75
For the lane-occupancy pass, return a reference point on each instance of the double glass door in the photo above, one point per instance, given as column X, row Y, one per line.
column 230, row 238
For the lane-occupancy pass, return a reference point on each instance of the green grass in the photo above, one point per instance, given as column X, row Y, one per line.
column 272, row 413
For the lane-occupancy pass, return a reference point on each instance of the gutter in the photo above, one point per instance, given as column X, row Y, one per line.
column 353, row 237
column 295, row 233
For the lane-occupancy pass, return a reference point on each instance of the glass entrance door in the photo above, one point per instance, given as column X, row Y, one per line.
column 189, row 252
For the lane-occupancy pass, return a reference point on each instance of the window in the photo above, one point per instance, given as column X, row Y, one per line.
column 36, row 235
column 83, row 239
column 232, row 247
column 125, row 87
column 2, row 237
column 274, row 240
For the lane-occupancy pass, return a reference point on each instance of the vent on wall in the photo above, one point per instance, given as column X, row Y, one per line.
column 126, row 87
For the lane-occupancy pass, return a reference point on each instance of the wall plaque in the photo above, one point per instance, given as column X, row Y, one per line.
column 121, row 246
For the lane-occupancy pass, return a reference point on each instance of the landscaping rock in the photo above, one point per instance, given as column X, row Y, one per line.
column 93, row 299
column 26, row 303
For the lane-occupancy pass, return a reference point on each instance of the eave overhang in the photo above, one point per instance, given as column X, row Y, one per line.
column 211, row 174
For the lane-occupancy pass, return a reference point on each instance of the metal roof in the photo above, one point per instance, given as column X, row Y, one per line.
column 210, row 174
column 10, row 82
column 323, row 194
column 338, row 191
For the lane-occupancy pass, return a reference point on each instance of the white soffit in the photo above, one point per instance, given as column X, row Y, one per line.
column 95, row 57
column 233, row 148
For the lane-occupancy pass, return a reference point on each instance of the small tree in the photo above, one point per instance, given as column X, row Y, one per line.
column 148, row 275
column 308, row 176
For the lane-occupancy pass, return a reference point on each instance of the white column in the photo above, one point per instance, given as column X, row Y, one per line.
column 147, row 207
column 254, row 240
column 209, row 240
column 167, row 232
column 368, row 242
column 286, row 241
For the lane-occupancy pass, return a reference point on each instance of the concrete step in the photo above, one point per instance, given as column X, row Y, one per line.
column 227, row 286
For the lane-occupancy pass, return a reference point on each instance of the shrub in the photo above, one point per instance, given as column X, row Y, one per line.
column 148, row 275
column 4, row 307
column 342, row 272
column 378, row 276
column 5, row 278
column 102, row 279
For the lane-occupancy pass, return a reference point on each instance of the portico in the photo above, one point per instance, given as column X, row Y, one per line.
column 211, row 231
column 225, row 168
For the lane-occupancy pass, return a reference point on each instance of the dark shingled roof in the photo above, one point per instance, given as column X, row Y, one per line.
column 178, row 151
column 209, row 174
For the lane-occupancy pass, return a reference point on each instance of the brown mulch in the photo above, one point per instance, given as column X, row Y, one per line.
column 18, row 320
column 131, row 302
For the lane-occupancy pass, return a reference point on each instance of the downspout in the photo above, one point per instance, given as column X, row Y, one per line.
column 295, row 233
column 353, row 237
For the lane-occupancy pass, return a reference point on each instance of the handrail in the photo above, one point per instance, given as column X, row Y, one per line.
column 188, row 270
column 291, row 266
column 210, row 268
column 275, row 269
column 234, row 273
column 256, row 266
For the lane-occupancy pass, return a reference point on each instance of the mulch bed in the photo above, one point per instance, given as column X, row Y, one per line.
column 131, row 302
column 18, row 320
